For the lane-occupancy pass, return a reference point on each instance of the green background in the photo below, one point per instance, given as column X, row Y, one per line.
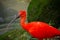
column 37, row 10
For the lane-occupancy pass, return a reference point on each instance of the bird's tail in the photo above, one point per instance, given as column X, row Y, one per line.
column 58, row 33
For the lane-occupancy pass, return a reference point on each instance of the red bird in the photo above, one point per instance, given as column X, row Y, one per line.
column 37, row 30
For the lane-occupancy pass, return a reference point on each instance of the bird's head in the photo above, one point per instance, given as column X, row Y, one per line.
column 22, row 13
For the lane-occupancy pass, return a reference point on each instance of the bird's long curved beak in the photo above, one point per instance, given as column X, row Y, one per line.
column 16, row 17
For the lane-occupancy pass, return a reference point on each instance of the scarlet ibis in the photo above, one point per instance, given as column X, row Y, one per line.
column 37, row 29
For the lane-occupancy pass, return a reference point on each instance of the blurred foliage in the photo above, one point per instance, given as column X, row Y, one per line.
column 38, row 10
column 45, row 10
column 14, row 35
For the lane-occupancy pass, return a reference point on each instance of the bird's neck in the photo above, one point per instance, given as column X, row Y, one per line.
column 23, row 23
